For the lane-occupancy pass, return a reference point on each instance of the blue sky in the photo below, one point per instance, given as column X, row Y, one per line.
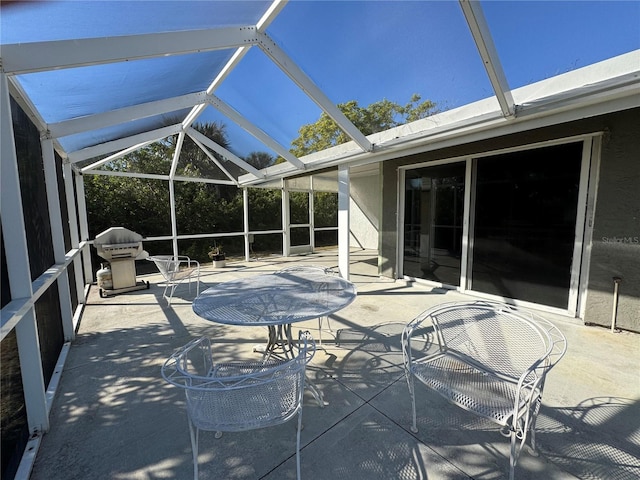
column 353, row 50
column 370, row 50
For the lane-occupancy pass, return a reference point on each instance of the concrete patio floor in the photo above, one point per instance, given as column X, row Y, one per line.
column 114, row 417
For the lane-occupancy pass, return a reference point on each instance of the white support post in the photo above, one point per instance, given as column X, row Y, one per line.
column 172, row 193
column 245, row 213
column 67, row 171
column 343, row 220
column 312, row 219
column 57, row 235
column 84, row 230
column 286, row 221
column 174, row 225
column 17, row 256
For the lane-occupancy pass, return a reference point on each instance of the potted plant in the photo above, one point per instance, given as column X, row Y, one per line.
column 216, row 254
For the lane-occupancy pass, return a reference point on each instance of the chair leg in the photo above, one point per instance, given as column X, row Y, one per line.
column 512, row 456
column 193, row 433
column 298, row 444
column 320, row 319
column 532, row 427
column 412, row 394
column 173, row 289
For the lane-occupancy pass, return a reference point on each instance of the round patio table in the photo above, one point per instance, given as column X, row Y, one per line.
column 276, row 301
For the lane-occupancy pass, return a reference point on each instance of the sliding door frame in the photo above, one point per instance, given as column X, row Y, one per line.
column 589, row 168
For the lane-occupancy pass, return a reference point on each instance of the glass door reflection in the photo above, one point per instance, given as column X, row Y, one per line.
column 434, row 208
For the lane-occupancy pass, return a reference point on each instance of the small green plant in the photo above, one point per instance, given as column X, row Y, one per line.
column 216, row 252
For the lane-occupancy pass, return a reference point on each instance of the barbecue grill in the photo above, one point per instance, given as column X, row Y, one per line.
column 121, row 248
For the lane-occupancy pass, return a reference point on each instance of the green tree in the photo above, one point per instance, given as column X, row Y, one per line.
column 377, row 117
column 259, row 160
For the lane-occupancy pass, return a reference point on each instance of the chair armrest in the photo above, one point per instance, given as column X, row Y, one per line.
column 183, row 259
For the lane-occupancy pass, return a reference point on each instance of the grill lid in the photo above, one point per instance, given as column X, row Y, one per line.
column 119, row 242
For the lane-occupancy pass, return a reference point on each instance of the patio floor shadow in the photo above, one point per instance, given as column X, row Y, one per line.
column 114, row 417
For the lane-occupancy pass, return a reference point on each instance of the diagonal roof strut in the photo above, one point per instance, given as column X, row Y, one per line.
column 482, row 37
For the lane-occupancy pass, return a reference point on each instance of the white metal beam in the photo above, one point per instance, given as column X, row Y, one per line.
column 17, row 256
column 83, row 224
column 176, row 156
column 122, row 143
column 482, row 36
column 57, row 235
column 123, row 115
column 245, row 224
column 295, row 73
column 153, row 176
column 21, row 58
column 272, row 12
column 226, row 70
column 258, row 133
column 69, row 190
column 196, row 135
column 116, row 156
column 344, row 235
column 214, row 160
column 270, row 15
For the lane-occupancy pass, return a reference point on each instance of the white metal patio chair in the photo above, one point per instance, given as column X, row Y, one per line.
column 490, row 359
column 311, row 268
column 238, row 396
column 176, row 270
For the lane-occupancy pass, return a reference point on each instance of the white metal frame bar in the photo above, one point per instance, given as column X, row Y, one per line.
column 125, row 114
column 245, row 223
column 23, row 58
column 17, row 257
column 57, row 235
column 116, row 156
column 172, row 194
column 343, row 220
column 482, row 37
column 286, row 221
column 73, row 231
column 295, row 73
column 312, row 215
column 272, row 12
column 84, row 230
column 258, row 133
column 214, row 160
column 123, row 143
column 196, row 135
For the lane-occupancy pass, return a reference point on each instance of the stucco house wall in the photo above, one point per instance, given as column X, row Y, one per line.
column 615, row 245
column 365, row 205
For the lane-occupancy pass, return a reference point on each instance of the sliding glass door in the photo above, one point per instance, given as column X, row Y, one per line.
column 522, row 214
column 434, row 207
column 525, row 222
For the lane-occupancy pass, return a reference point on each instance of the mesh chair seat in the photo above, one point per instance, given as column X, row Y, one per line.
column 238, row 396
column 486, row 394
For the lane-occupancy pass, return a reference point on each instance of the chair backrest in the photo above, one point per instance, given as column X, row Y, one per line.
column 237, row 396
column 167, row 265
column 505, row 340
